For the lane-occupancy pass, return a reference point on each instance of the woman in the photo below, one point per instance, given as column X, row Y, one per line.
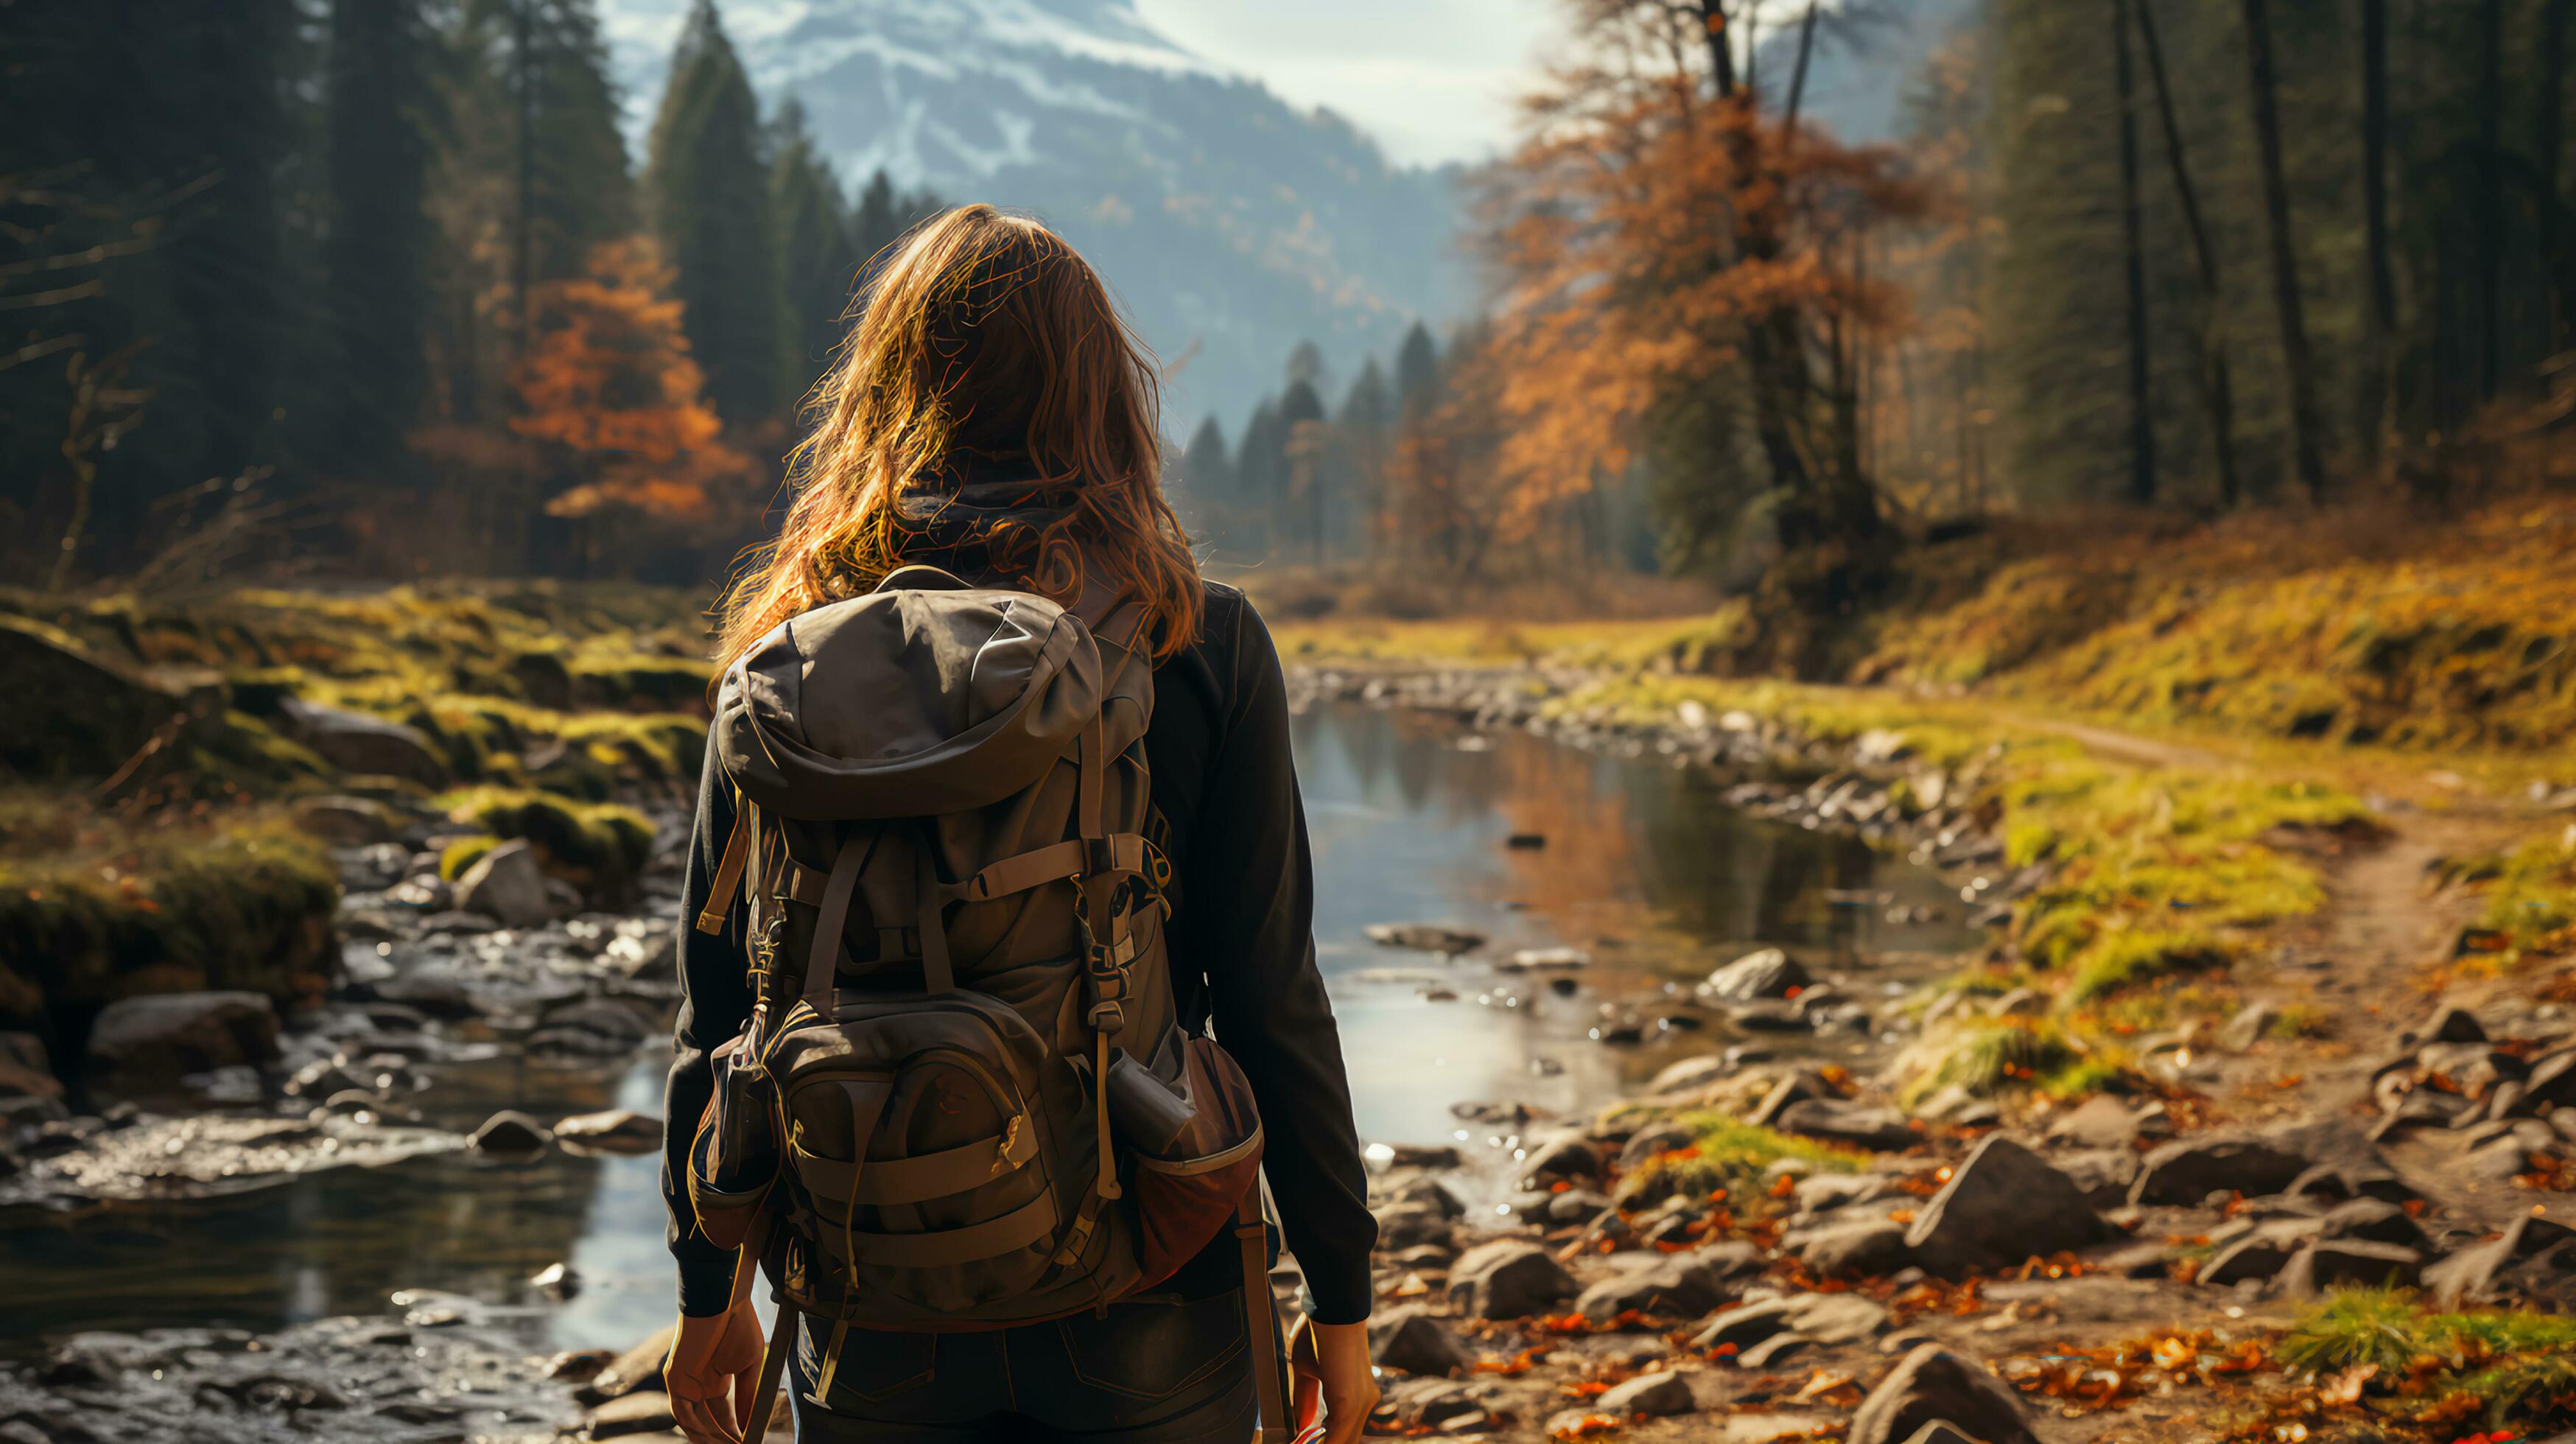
column 992, row 414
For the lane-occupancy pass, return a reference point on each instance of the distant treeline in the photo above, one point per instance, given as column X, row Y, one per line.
column 371, row 281
column 2182, row 254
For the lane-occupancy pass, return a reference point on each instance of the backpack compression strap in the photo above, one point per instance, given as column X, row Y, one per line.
column 1261, row 1316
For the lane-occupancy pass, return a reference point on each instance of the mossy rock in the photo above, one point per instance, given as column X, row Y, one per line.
column 599, row 848
column 69, row 712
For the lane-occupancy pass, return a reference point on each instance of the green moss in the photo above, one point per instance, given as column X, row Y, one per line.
column 458, row 857
column 2529, row 895
column 2519, row 1365
column 595, row 845
column 105, row 906
column 1987, row 1056
column 2128, row 959
column 1725, row 1153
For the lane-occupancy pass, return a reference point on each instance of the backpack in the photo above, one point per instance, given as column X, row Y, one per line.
column 964, row 1099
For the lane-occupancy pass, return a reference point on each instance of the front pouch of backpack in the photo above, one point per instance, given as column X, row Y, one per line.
column 1189, row 1176
column 734, row 1160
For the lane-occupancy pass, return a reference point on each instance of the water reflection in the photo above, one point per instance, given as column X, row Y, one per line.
column 1644, row 866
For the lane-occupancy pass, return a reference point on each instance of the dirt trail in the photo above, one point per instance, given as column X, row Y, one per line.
column 2126, row 747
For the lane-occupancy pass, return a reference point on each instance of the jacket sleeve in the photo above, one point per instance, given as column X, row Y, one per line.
column 715, row 1004
column 1249, row 906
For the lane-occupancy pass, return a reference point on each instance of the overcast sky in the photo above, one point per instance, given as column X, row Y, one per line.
column 1433, row 80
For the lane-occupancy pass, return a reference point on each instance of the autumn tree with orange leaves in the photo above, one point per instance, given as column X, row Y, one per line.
column 1681, row 291
column 611, row 395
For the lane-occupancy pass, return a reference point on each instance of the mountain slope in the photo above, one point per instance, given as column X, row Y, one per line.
column 1231, row 224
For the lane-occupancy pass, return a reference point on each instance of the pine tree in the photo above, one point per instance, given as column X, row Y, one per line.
column 1206, row 474
column 878, row 219
column 1360, row 431
column 1302, row 481
column 378, row 99
column 817, row 257
column 1417, row 370
column 578, row 193
column 229, row 119
column 1260, row 475
column 708, row 188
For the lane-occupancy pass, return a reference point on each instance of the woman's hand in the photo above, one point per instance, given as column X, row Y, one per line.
column 1350, row 1386
column 714, row 1372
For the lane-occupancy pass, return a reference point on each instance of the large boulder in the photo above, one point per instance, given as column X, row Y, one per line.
column 363, row 743
column 1413, row 1340
column 2191, row 1169
column 1509, row 1279
column 140, row 1044
column 1932, row 1384
column 1663, row 1285
column 506, row 883
column 69, row 712
column 2003, row 1205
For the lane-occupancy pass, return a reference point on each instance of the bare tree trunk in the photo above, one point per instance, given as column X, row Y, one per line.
column 1798, row 76
column 2491, row 198
column 2297, row 365
column 2547, row 147
column 1721, row 57
column 2379, row 315
column 522, row 262
column 2142, row 422
column 2217, row 389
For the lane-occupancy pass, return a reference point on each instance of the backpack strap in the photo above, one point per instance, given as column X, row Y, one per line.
column 1261, row 1315
column 931, row 899
column 711, row 918
column 823, row 964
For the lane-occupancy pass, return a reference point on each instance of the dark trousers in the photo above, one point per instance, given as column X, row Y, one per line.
column 1146, row 1372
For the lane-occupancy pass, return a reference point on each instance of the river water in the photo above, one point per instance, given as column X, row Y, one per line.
column 1640, row 865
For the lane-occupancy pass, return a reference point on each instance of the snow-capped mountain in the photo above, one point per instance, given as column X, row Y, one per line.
column 1230, row 223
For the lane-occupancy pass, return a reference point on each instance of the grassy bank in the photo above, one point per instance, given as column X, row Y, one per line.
column 97, row 906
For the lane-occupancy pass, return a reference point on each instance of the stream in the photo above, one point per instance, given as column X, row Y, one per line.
column 1638, row 865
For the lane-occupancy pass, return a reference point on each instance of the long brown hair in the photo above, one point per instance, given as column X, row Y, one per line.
column 985, row 341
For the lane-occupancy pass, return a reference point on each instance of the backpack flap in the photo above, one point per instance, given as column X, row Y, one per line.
column 917, row 702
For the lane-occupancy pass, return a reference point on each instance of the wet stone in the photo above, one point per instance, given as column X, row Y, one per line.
column 1932, row 1384
column 1412, row 1339
column 1509, row 1279
column 1655, row 1395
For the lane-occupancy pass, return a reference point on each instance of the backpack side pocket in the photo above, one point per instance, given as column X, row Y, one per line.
column 734, row 1160
column 1186, row 1190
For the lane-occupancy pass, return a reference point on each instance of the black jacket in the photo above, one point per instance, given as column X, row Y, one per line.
column 1242, row 955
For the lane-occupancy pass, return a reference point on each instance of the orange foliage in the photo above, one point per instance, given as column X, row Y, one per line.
column 1654, row 244
column 610, row 381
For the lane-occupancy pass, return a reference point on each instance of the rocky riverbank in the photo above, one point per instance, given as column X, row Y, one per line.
column 2079, row 1190
column 2180, row 1238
